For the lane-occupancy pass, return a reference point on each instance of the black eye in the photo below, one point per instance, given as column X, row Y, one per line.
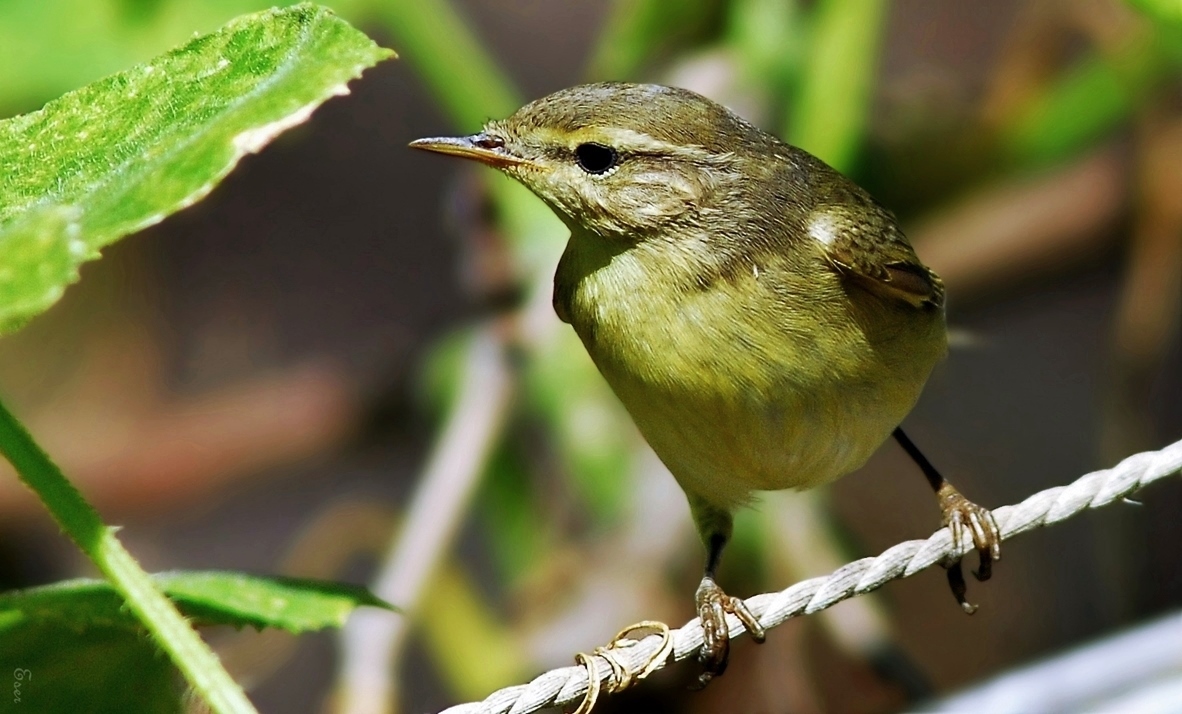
column 488, row 141
column 596, row 158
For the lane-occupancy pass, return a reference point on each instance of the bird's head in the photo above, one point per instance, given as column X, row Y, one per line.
column 620, row 160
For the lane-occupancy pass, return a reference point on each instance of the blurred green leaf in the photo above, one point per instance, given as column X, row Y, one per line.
column 1090, row 100
column 463, row 76
column 596, row 439
column 828, row 115
column 104, row 670
column 438, row 384
column 1168, row 10
column 506, row 501
column 209, row 598
column 130, row 149
column 474, row 651
column 637, row 31
column 768, row 39
column 511, row 512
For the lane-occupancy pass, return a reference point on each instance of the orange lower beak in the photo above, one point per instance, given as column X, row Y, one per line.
column 479, row 147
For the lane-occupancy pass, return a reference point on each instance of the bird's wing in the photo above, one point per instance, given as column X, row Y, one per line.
column 866, row 246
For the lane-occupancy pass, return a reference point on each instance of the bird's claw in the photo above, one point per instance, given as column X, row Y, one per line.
column 713, row 605
column 966, row 519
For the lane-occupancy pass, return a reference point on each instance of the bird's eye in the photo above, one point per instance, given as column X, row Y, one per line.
column 596, row 158
column 488, row 141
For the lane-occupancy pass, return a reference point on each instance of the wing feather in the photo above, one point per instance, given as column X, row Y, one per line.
column 864, row 244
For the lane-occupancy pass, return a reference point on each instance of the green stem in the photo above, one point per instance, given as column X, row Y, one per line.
column 828, row 115
column 767, row 39
column 81, row 522
column 637, row 32
column 460, row 72
column 472, row 88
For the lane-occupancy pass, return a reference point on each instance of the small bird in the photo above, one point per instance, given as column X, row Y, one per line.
column 763, row 320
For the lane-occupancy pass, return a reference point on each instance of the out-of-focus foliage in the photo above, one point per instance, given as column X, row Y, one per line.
column 1092, row 98
column 1170, row 10
column 488, row 653
column 828, row 115
column 644, row 30
column 768, row 40
column 588, row 426
column 466, row 84
column 124, row 152
column 106, row 669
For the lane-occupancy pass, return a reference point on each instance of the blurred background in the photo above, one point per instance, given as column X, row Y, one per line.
column 266, row 380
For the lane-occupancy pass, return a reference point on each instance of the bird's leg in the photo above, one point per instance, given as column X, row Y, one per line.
column 959, row 514
column 712, row 602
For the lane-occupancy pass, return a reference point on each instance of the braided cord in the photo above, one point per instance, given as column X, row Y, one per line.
column 1099, row 488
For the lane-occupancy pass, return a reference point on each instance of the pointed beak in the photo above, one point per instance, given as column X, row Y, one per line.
column 481, row 147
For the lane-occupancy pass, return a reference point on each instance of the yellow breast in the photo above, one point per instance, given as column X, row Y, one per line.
column 776, row 376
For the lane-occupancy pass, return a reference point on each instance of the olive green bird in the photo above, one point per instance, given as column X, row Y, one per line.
column 764, row 321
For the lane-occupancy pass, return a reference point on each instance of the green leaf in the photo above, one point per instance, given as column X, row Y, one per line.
column 128, row 150
column 293, row 604
column 39, row 255
column 209, row 598
column 64, row 44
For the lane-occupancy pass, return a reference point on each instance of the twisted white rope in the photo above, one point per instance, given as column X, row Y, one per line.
column 1099, row 488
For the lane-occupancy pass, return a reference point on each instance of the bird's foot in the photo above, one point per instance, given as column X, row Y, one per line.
column 713, row 606
column 966, row 519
